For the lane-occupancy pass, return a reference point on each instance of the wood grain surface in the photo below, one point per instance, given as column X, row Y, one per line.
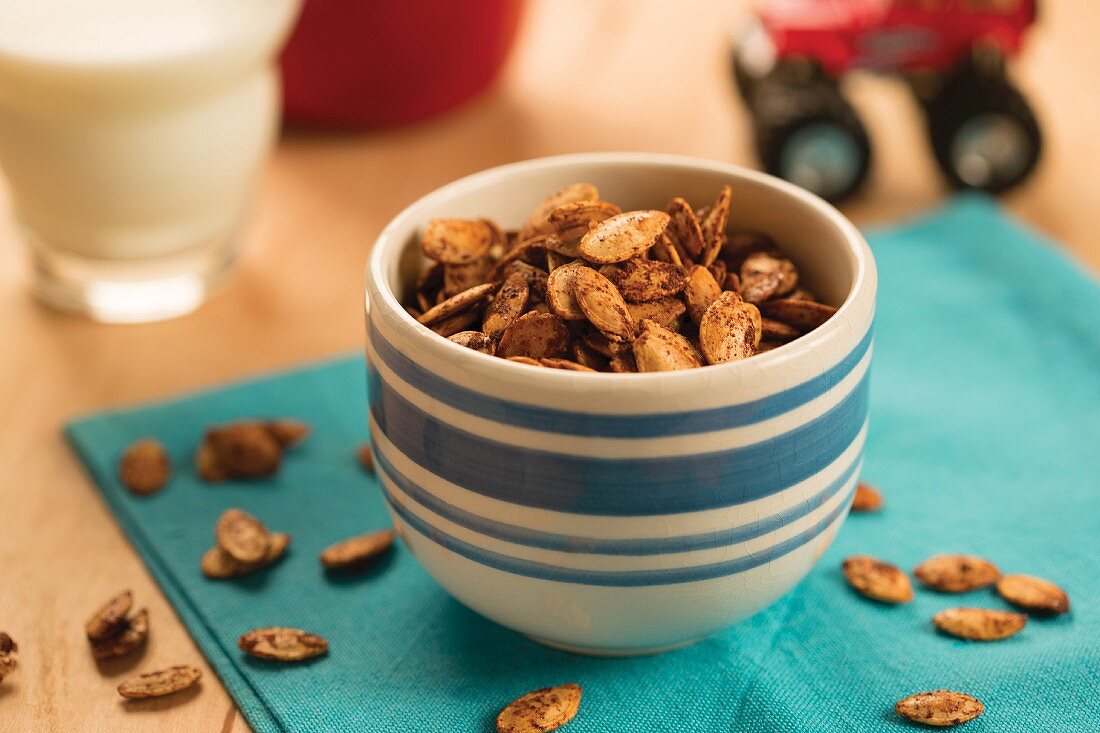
column 585, row 75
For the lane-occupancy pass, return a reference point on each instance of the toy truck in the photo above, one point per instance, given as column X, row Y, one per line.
column 789, row 65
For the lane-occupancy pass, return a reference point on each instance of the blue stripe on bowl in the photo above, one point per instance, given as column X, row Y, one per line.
column 632, row 578
column 607, row 425
column 590, row 545
column 617, row 487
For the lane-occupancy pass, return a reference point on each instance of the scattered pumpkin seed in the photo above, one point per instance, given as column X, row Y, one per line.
column 242, row 536
column 940, row 708
column 1033, row 594
column 357, row 551
column 145, row 467
column 979, row 624
column 541, row 711
column 877, row 580
column 956, row 573
column 160, row 683
column 110, row 618
column 282, row 644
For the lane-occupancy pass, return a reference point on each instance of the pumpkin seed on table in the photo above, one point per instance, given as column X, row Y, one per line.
column 133, row 634
column 623, row 237
column 357, row 551
column 145, row 467
column 979, row 624
column 730, row 329
column 644, row 280
column 536, row 336
column 877, row 580
column 457, row 241
column 218, row 564
column 764, row 276
column 940, row 708
column 475, row 340
column 603, row 305
column 956, row 573
column 244, row 449
column 1033, row 594
column 867, row 499
column 282, row 644
column 110, row 618
column 366, row 458
column 160, row 683
column 541, row 711
column 657, row 349
column 242, row 536
column 9, row 655
column 288, row 432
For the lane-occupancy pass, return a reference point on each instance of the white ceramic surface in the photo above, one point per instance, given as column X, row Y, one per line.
column 610, row 513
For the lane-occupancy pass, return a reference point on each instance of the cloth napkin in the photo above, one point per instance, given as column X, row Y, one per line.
column 984, row 438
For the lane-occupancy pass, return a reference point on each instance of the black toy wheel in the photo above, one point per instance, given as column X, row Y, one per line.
column 983, row 132
column 808, row 134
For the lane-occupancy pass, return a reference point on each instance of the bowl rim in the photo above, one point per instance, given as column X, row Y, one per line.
column 836, row 328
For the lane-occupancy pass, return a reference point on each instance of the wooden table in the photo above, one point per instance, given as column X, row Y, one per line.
column 613, row 75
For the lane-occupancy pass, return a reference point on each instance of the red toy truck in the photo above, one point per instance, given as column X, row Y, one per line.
column 788, row 68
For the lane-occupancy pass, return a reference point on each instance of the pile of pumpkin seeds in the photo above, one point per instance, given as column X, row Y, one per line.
column 585, row 286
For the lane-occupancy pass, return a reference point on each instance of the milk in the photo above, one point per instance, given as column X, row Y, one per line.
column 132, row 130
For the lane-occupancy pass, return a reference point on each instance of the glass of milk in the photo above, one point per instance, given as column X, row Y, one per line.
column 131, row 134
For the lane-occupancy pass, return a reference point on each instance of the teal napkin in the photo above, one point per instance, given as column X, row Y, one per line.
column 985, row 438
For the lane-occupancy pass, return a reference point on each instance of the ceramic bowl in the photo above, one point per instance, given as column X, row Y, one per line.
column 621, row 513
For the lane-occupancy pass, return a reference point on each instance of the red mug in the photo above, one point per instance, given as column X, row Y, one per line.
column 367, row 63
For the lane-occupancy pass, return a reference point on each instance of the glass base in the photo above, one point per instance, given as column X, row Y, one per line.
column 129, row 291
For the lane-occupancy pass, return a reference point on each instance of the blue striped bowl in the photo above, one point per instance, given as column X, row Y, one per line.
column 610, row 513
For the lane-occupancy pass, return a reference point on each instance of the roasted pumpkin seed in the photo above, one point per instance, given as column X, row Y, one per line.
column 956, row 573
column 475, row 340
column 700, row 291
column 979, row 624
column 535, row 335
column 730, row 329
column 603, row 305
column 509, row 304
column 560, row 295
column 110, row 618
column 867, row 499
column 541, row 711
column 623, row 237
column 357, row 551
column 643, row 280
column 132, row 635
column 1033, row 594
column 218, row 564
column 282, row 644
column 160, row 683
column 145, row 467
column 877, row 580
column 457, row 241
column 242, row 536
column 940, row 708
column 658, row 349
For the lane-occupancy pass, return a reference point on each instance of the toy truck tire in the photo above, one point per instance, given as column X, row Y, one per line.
column 984, row 134
column 810, row 135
